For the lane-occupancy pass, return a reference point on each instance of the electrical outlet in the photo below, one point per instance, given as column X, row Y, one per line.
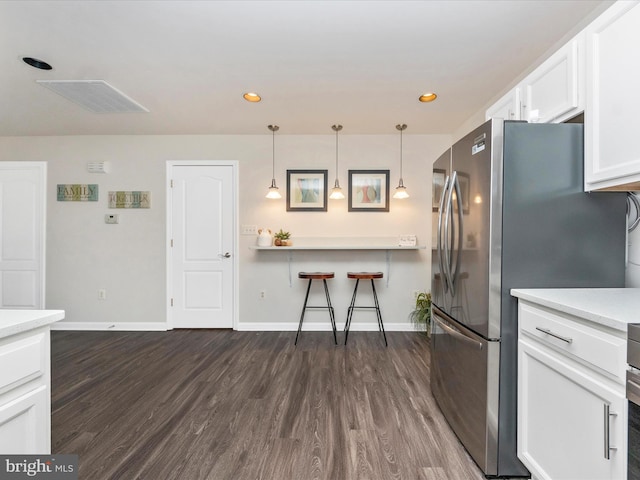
column 102, row 294
column 263, row 294
column 249, row 230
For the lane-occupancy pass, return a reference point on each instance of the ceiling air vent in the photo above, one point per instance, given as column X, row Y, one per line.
column 95, row 95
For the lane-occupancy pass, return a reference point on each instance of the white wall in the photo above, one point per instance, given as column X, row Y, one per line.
column 128, row 260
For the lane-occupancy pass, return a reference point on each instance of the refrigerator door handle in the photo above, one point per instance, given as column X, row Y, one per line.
column 456, row 185
column 443, row 273
column 457, row 334
column 447, row 230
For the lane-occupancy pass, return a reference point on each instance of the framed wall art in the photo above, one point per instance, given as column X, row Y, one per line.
column 307, row 190
column 368, row 190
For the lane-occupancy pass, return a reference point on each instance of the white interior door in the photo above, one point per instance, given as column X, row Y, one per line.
column 22, row 234
column 202, row 262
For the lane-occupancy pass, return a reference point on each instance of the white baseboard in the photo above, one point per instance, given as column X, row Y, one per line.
column 241, row 327
column 113, row 326
column 321, row 327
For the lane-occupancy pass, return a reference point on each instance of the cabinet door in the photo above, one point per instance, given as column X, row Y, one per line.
column 551, row 92
column 612, row 155
column 25, row 424
column 562, row 421
column 507, row 108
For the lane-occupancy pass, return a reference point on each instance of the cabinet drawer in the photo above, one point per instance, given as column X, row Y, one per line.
column 22, row 361
column 588, row 344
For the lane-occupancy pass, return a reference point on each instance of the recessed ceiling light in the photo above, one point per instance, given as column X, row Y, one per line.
column 35, row 63
column 427, row 97
column 252, row 97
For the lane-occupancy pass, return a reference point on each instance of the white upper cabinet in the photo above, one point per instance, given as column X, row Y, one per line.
column 612, row 151
column 508, row 107
column 553, row 92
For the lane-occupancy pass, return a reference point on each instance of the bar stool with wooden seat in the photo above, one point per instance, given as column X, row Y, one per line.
column 311, row 276
column 364, row 276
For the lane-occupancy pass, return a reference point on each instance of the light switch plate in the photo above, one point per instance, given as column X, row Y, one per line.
column 249, row 229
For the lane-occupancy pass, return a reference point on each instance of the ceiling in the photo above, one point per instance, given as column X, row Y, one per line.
column 315, row 63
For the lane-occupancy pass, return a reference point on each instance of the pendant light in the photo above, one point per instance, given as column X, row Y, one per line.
column 274, row 192
column 336, row 191
column 401, row 190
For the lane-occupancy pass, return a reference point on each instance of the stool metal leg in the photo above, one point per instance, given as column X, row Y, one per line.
column 347, row 324
column 378, row 313
column 304, row 307
column 331, row 313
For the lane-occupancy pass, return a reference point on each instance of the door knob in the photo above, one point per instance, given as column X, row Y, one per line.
column 226, row 255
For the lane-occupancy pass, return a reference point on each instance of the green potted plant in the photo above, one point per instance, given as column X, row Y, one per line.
column 282, row 239
column 421, row 314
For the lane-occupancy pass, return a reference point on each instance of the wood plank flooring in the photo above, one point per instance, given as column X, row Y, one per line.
column 225, row 405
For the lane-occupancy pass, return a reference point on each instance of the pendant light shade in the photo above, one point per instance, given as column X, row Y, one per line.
column 274, row 191
column 336, row 191
column 401, row 190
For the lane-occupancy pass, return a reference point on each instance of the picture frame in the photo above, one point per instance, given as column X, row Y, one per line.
column 307, row 190
column 463, row 180
column 437, row 187
column 368, row 190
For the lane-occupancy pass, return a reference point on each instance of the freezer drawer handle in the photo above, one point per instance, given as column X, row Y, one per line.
column 455, row 333
column 633, row 388
column 607, row 431
column 555, row 335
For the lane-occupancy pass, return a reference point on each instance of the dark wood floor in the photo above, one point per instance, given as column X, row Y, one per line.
column 218, row 404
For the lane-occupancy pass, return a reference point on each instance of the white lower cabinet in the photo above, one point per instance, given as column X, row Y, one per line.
column 572, row 410
column 23, row 423
column 25, row 393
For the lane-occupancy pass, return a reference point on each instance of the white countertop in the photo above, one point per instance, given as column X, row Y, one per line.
column 611, row 307
column 388, row 242
column 18, row 321
column 340, row 247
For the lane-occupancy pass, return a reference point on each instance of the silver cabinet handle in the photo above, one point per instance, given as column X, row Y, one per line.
column 555, row 335
column 607, row 431
column 225, row 255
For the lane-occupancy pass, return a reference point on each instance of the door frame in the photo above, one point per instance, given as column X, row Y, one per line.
column 234, row 215
column 40, row 169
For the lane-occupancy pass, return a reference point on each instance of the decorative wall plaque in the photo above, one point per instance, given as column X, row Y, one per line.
column 135, row 199
column 76, row 192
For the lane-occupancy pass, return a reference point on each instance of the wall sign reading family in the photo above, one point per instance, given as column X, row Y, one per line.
column 307, row 190
column 76, row 192
column 131, row 199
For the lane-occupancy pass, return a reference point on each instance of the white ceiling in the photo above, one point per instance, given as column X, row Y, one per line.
column 359, row 63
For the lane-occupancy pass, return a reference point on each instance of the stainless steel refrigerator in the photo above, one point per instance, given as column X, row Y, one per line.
column 509, row 212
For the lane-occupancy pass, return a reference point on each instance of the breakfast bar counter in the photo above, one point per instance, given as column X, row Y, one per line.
column 388, row 244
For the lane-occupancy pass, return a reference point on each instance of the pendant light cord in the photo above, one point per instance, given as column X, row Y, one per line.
column 401, row 154
column 274, row 129
column 401, row 127
column 336, row 128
